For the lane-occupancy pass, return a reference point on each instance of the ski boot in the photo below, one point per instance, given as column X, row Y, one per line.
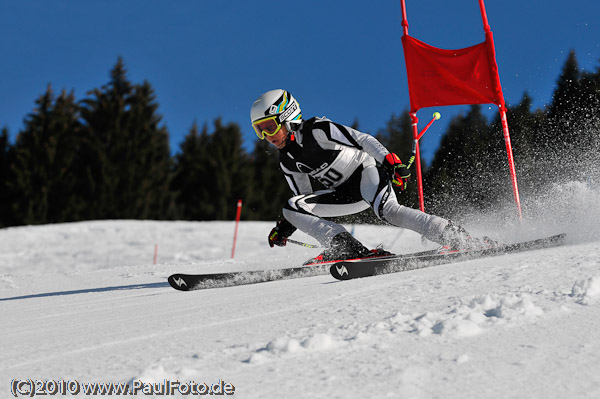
column 455, row 238
column 343, row 247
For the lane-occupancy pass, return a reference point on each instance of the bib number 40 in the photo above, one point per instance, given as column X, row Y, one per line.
column 330, row 177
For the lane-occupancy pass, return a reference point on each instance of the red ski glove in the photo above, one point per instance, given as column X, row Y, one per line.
column 399, row 172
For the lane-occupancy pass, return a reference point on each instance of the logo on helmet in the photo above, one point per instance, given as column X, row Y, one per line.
column 273, row 109
column 288, row 112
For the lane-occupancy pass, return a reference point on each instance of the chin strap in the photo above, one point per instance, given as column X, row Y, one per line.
column 293, row 126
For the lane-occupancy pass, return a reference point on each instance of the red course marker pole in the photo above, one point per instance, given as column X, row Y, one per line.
column 237, row 222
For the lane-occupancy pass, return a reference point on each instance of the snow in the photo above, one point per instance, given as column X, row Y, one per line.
column 84, row 301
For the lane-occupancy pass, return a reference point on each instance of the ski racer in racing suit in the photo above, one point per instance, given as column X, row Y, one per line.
column 357, row 171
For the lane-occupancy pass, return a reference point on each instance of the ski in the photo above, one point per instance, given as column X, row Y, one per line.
column 190, row 282
column 370, row 267
column 313, row 262
column 349, row 269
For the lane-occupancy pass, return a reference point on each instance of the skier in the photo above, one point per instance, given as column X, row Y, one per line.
column 358, row 172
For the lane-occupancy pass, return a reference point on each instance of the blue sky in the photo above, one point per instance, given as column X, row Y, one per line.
column 340, row 58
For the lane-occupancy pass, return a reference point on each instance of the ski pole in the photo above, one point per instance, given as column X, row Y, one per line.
column 436, row 116
column 303, row 244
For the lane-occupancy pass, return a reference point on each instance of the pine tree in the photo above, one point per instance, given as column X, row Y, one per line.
column 127, row 150
column 44, row 169
column 269, row 190
column 523, row 126
column 462, row 173
column 572, row 136
column 565, row 115
column 566, row 94
column 192, row 177
column 211, row 173
column 149, row 179
column 230, row 168
column 6, row 197
column 527, row 131
column 585, row 158
column 397, row 135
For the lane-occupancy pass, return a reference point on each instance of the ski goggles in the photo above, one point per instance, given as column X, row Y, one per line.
column 269, row 126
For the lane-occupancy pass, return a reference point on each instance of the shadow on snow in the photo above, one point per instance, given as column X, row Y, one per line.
column 89, row 290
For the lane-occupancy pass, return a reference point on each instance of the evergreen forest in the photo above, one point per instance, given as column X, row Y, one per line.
column 107, row 156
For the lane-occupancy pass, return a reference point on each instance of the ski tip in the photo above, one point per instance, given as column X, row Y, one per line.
column 179, row 282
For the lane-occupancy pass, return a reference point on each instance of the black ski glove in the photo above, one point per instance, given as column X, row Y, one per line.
column 399, row 172
column 280, row 233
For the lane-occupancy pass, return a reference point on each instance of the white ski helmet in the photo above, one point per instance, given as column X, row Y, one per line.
column 278, row 104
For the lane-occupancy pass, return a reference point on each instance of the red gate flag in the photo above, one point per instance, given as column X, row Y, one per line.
column 438, row 77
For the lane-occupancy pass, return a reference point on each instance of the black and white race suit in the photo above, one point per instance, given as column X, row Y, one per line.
column 348, row 163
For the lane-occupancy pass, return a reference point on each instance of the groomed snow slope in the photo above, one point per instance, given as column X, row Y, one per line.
column 83, row 301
